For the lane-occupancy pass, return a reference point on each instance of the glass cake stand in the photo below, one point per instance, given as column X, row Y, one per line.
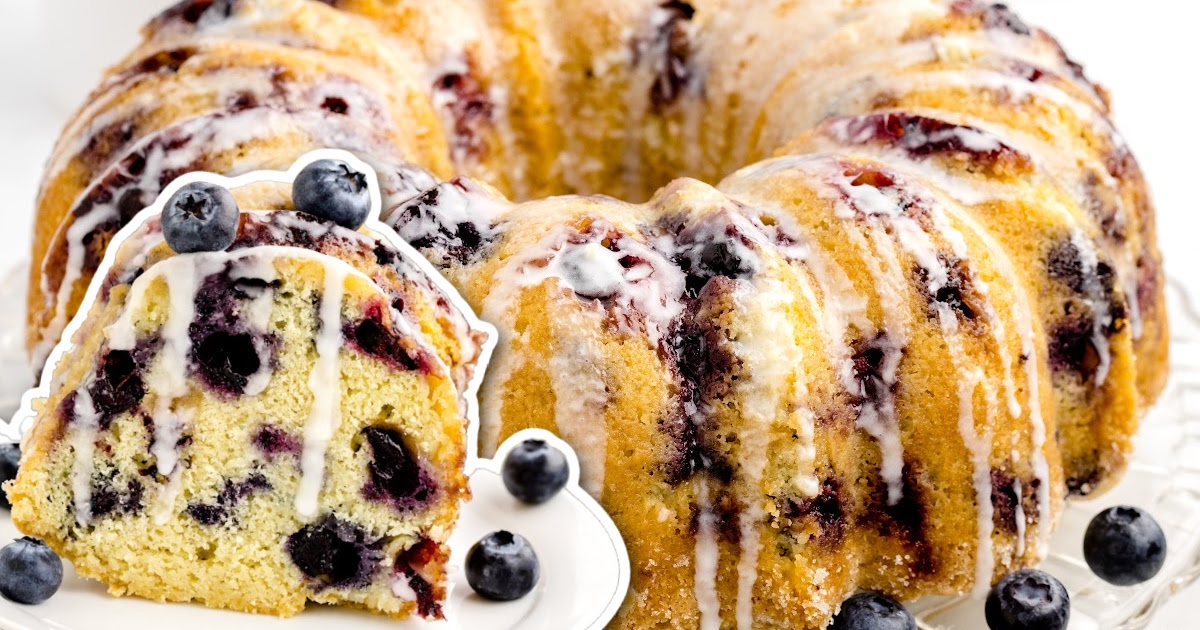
column 1164, row 479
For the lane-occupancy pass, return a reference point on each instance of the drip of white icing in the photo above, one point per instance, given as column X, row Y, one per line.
column 170, row 380
column 503, row 365
column 1019, row 516
column 881, row 421
column 164, row 503
column 402, row 589
column 979, row 446
column 772, row 390
column 577, row 377
column 591, row 270
column 83, row 441
column 1041, row 467
column 324, row 381
column 708, row 555
column 258, row 316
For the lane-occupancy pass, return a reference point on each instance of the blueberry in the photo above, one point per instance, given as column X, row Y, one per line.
column 1028, row 600
column 534, row 471
column 333, row 190
column 1124, row 546
column 873, row 611
column 201, row 217
column 10, row 458
column 30, row 573
column 502, row 567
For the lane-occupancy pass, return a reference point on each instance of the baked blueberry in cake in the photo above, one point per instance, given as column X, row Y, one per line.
column 274, row 417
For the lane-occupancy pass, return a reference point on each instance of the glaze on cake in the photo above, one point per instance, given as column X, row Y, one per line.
column 919, row 303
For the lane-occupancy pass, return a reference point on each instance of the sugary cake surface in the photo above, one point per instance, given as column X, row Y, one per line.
column 918, row 303
column 257, row 428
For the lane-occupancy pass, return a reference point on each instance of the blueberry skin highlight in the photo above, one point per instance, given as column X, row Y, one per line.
column 30, row 573
column 873, row 611
column 1124, row 546
column 534, row 472
column 200, row 217
column 502, row 567
column 1028, row 600
column 333, row 190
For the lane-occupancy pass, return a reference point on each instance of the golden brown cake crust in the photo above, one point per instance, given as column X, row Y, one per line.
column 920, row 303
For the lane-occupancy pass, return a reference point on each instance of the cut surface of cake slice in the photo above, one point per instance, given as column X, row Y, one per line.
column 281, row 422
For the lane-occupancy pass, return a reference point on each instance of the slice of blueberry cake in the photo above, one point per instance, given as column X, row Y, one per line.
column 255, row 427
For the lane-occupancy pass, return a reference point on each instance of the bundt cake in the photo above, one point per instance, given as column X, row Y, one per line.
column 920, row 304
column 257, row 427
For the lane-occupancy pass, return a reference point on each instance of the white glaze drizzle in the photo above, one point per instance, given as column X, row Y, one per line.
column 708, row 557
column 772, row 390
column 881, row 421
column 325, row 383
column 1019, row 516
column 258, row 316
column 578, row 380
column 83, row 441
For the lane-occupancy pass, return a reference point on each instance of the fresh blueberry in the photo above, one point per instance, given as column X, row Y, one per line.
column 534, row 471
column 1124, row 546
column 502, row 567
column 873, row 611
column 201, row 217
column 10, row 458
column 1028, row 600
column 30, row 573
column 333, row 190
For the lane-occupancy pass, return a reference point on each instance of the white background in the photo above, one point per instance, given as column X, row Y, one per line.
column 52, row 52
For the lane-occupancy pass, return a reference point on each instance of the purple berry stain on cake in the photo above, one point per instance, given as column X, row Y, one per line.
column 922, row 136
column 992, row 16
column 700, row 355
column 118, row 386
column 108, row 499
column 225, row 354
column 335, row 554
column 194, row 12
column 465, row 100
column 1072, row 348
column 396, row 477
column 219, row 510
column 1065, row 263
column 955, row 292
column 825, row 510
column 668, row 51
column 273, row 441
column 715, row 248
column 375, row 338
column 164, row 61
column 904, row 520
column 441, row 222
column 410, row 563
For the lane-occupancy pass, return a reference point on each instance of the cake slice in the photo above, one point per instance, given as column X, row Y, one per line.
column 279, row 422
